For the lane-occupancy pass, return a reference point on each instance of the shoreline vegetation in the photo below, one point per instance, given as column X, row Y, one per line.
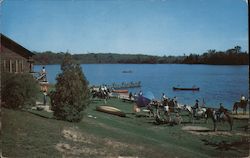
column 233, row 56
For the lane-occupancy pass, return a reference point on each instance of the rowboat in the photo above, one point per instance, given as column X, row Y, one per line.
column 127, row 71
column 187, row 89
column 111, row 110
column 120, row 91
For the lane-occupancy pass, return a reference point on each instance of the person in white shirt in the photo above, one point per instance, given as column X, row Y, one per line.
column 43, row 70
column 140, row 93
column 242, row 98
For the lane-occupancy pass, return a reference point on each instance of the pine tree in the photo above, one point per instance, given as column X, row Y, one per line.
column 71, row 95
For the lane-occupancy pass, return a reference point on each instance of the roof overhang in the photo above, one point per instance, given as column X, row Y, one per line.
column 15, row 47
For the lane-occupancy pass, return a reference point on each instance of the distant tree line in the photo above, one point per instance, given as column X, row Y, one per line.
column 232, row 56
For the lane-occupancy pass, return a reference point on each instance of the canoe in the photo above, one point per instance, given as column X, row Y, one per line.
column 111, row 110
column 120, row 91
column 187, row 89
column 127, row 71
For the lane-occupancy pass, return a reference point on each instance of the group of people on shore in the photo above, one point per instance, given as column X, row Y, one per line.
column 165, row 100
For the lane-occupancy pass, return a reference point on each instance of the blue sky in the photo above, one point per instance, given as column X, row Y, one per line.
column 156, row 27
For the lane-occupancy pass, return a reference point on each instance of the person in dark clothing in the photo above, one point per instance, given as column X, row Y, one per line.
column 195, row 107
column 44, row 97
column 130, row 96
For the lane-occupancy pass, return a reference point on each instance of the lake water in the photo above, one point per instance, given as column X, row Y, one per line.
column 218, row 84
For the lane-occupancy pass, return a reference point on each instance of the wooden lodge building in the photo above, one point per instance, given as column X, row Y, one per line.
column 14, row 57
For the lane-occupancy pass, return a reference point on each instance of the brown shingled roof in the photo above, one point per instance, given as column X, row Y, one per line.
column 15, row 47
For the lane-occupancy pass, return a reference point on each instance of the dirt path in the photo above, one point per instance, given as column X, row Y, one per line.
column 198, row 130
column 77, row 144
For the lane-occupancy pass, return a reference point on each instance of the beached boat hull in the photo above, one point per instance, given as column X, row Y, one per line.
column 111, row 110
column 120, row 91
column 186, row 89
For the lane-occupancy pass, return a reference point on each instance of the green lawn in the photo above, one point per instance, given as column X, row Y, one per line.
column 37, row 134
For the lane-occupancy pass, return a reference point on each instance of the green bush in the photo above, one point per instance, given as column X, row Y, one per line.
column 18, row 90
column 71, row 95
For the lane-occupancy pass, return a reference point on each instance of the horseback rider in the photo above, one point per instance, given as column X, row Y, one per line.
column 163, row 97
column 195, row 107
column 219, row 114
column 175, row 101
column 164, row 102
column 242, row 98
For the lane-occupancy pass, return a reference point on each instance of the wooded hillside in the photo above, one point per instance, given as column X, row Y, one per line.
column 232, row 56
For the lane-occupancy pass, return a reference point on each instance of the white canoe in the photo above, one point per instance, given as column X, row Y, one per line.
column 111, row 110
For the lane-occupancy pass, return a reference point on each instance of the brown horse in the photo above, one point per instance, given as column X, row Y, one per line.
column 221, row 114
column 240, row 104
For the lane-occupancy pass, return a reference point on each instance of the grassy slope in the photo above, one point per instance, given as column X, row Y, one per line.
column 28, row 135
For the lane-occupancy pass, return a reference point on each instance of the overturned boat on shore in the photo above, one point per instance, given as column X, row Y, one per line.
column 111, row 110
column 120, row 91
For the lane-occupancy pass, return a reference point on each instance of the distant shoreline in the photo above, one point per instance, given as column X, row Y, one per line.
column 211, row 57
column 150, row 64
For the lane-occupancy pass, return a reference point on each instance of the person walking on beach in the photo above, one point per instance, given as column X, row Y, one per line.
column 219, row 113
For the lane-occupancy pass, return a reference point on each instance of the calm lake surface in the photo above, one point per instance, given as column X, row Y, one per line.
column 218, row 84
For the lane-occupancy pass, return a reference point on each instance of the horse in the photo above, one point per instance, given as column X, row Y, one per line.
column 221, row 114
column 172, row 105
column 195, row 113
column 100, row 94
column 240, row 104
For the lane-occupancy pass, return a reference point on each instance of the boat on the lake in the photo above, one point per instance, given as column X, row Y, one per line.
column 127, row 71
column 186, row 89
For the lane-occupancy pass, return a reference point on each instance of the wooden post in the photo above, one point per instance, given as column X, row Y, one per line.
column 16, row 65
column 4, row 65
column 22, row 66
